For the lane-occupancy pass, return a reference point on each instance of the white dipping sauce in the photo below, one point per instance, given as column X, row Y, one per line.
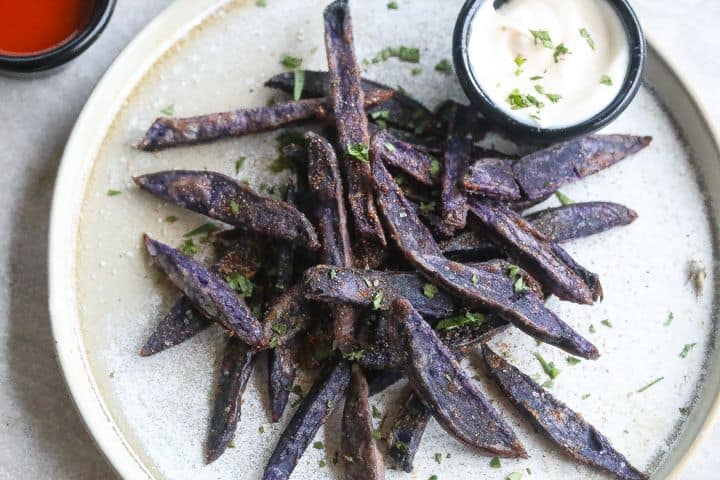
column 508, row 59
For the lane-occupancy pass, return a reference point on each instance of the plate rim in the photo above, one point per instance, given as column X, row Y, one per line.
column 69, row 193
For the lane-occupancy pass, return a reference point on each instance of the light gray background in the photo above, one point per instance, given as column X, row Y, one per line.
column 41, row 435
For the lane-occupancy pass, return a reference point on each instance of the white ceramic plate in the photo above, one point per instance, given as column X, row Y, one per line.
column 149, row 415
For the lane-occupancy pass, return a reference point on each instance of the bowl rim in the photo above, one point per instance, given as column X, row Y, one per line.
column 69, row 193
column 474, row 91
column 65, row 51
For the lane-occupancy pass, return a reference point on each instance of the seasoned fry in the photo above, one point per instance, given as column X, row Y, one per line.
column 166, row 132
column 453, row 205
column 563, row 426
column 492, row 177
column 286, row 316
column 532, row 250
column 447, row 391
column 484, row 288
column 237, row 365
column 403, row 156
column 361, row 456
column 543, row 172
column 207, row 292
column 407, row 431
column 317, row 405
column 399, row 110
column 347, row 99
column 580, row 220
column 223, row 198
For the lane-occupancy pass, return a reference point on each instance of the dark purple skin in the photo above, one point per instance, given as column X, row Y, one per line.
column 531, row 250
column 223, row 198
column 407, row 431
column 207, row 292
column 400, row 155
column 183, row 322
column 402, row 110
column 347, row 99
column 560, row 224
column 543, row 172
column 361, row 457
column 492, row 177
column 443, row 386
column 318, row 404
column 453, row 205
column 566, row 428
column 292, row 311
column 493, row 290
column 380, row 380
column 167, row 132
column 237, row 365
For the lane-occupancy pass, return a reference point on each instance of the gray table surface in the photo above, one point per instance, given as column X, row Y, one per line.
column 41, row 434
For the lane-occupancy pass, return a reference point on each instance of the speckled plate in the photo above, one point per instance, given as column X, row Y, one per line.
column 149, row 415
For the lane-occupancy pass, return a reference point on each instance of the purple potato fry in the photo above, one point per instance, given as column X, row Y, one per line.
column 453, row 204
column 281, row 377
column 492, row 177
column 398, row 154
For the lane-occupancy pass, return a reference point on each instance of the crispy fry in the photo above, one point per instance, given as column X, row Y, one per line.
column 492, row 177
column 453, row 205
column 398, row 154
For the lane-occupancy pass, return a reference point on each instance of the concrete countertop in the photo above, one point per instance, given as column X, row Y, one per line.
column 41, row 435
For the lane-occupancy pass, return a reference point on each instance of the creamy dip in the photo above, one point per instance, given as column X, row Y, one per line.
column 549, row 63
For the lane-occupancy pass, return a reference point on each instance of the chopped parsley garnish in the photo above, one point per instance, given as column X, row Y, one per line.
column 171, row 219
column 607, row 323
column 239, row 164
column 474, row 279
column 469, row 318
column 241, row 284
column 536, row 77
column 389, row 147
column 401, row 445
column 444, row 67
column 548, row 384
column 553, row 97
column 586, row 396
column 113, row 193
column 426, row 208
column 333, row 273
column 686, row 349
column 517, row 100
column 261, row 3
column 231, row 444
column 592, row 328
column 416, row 71
column 542, row 36
column 495, row 463
column 514, row 476
column 359, row 151
column 393, row 6
column 261, row 429
column 375, row 412
column 279, row 328
column 318, row 445
column 548, row 367
column 234, row 207
column 207, row 228
column 606, row 80
column 288, row 61
column 299, row 77
column 564, row 199
column 684, row 410
column 438, row 458
column 560, row 50
column 189, row 248
column 588, row 38
column 519, row 61
column 377, row 434
column 654, row 382
column 354, row 356
column 573, row 360
column 404, row 54
column 430, row 290
column 433, row 477
column 169, row 110
column 377, row 300
column 435, row 167
column 540, row 89
column 380, row 117
column 534, row 101
column 669, row 319
column 516, row 275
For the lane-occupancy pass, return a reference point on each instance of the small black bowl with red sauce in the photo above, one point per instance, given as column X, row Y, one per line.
column 43, row 35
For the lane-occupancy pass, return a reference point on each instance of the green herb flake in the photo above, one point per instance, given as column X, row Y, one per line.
column 519, row 61
column 543, row 37
column 607, row 323
column 290, row 62
column 321, row 463
column 354, row 356
column 393, row 6
column 299, row 77
column 588, row 38
column 514, row 476
column 534, row 101
column 536, row 77
column 273, row 344
column 517, row 100
column 113, row 193
column 241, row 285
column 553, row 97
column 592, row 328
column 426, row 208
column 564, row 199
column 359, row 151
column 651, row 384
column 435, row 167
column 207, row 228
column 377, row 434
column 684, row 410
column 540, row 89
column 261, row 429
column 573, row 360
column 669, row 319
column 416, row 71
column 438, row 458
column 171, row 219
column 169, row 110
column 401, row 446
column 430, row 290
column 444, row 67
column 234, row 207
column 548, row 367
column 606, row 80
column 318, row 445
column 189, row 248
column 333, row 274
column 686, row 349
column 389, row 147
column 529, row 472
column 377, row 300
column 475, row 280
column 433, row 477
column 516, row 275
column 469, row 318
column 495, row 463
column 279, row 328
column 231, row 444
column 375, row 412
column 402, row 53
column 548, row 384
column 261, row 3
column 239, row 164
column 560, row 51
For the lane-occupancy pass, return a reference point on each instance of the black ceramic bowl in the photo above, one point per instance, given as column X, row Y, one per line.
column 63, row 53
column 516, row 129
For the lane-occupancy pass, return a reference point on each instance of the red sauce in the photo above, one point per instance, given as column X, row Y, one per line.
column 33, row 26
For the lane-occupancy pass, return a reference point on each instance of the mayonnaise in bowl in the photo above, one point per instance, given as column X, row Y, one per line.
column 549, row 63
